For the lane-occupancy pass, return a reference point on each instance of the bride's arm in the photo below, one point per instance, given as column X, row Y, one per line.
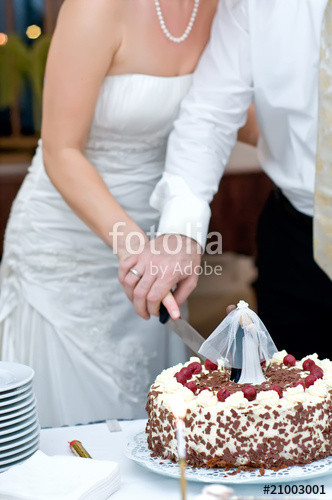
column 85, row 40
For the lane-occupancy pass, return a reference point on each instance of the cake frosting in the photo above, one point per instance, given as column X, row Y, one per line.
column 284, row 421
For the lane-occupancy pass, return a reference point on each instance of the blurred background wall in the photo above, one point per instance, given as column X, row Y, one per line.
column 26, row 28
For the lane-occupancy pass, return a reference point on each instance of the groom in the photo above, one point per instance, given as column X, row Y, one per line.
column 277, row 54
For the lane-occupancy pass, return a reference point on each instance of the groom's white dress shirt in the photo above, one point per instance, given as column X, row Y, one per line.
column 261, row 51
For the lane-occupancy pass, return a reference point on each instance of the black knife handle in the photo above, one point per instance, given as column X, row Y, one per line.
column 163, row 314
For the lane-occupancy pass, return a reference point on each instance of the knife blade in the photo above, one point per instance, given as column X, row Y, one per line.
column 183, row 329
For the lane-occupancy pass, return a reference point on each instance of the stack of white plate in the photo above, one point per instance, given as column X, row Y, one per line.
column 19, row 426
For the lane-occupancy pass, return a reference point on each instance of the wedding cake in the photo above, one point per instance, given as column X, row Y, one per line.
column 284, row 421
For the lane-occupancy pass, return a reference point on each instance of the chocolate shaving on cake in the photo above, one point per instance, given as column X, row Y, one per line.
column 275, row 374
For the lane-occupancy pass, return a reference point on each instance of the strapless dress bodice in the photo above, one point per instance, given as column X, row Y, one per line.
column 134, row 114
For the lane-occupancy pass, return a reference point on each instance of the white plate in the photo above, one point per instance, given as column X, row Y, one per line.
column 17, row 374
column 16, row 435
column 137, row 450
column 4, row 403
column 20, row 441
column 10, row 429
column 8, row 417
column 6, row 377
column 18, row 419
column 24, row 446
column 19, row 457
column 16, row 406
column 15, row 392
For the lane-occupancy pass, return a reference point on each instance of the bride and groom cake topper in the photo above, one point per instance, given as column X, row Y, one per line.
column 244, row 344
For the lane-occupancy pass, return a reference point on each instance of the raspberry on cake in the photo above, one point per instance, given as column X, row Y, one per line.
column 284, row 421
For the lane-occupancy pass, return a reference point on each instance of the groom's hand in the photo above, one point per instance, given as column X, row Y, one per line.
column 167, row 261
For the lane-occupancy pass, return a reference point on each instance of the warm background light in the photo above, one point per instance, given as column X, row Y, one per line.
column 33, row 31
column 3, row 38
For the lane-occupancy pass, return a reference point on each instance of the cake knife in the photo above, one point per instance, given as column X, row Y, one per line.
column 183, row 329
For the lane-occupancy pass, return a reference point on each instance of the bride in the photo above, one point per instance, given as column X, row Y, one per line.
column 115, row 77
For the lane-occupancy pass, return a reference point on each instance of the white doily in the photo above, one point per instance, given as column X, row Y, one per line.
column 137, row 450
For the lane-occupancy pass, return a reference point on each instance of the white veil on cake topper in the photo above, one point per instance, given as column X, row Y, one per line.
column 243, row 342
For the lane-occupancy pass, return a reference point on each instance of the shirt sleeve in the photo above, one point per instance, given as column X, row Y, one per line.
column 206, row 130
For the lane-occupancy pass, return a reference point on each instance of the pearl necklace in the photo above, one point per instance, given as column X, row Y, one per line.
column 188, row 28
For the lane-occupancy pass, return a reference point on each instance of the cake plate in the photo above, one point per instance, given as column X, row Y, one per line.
column 137, row 450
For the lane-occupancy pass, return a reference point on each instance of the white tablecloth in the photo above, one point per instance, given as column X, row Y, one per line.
column 138, row 483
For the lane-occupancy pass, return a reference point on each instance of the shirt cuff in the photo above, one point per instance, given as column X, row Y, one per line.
column 182, row 212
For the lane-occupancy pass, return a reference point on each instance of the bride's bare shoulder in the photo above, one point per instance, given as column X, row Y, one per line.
column 97, row 14
column 96, row 7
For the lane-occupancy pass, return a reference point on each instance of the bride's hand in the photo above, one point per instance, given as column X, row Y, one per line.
column 167, row 261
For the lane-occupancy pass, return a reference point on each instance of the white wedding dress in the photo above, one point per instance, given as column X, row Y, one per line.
column 62, row 309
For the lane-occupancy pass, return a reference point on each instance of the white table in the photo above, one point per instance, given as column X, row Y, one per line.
column 138, row 483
